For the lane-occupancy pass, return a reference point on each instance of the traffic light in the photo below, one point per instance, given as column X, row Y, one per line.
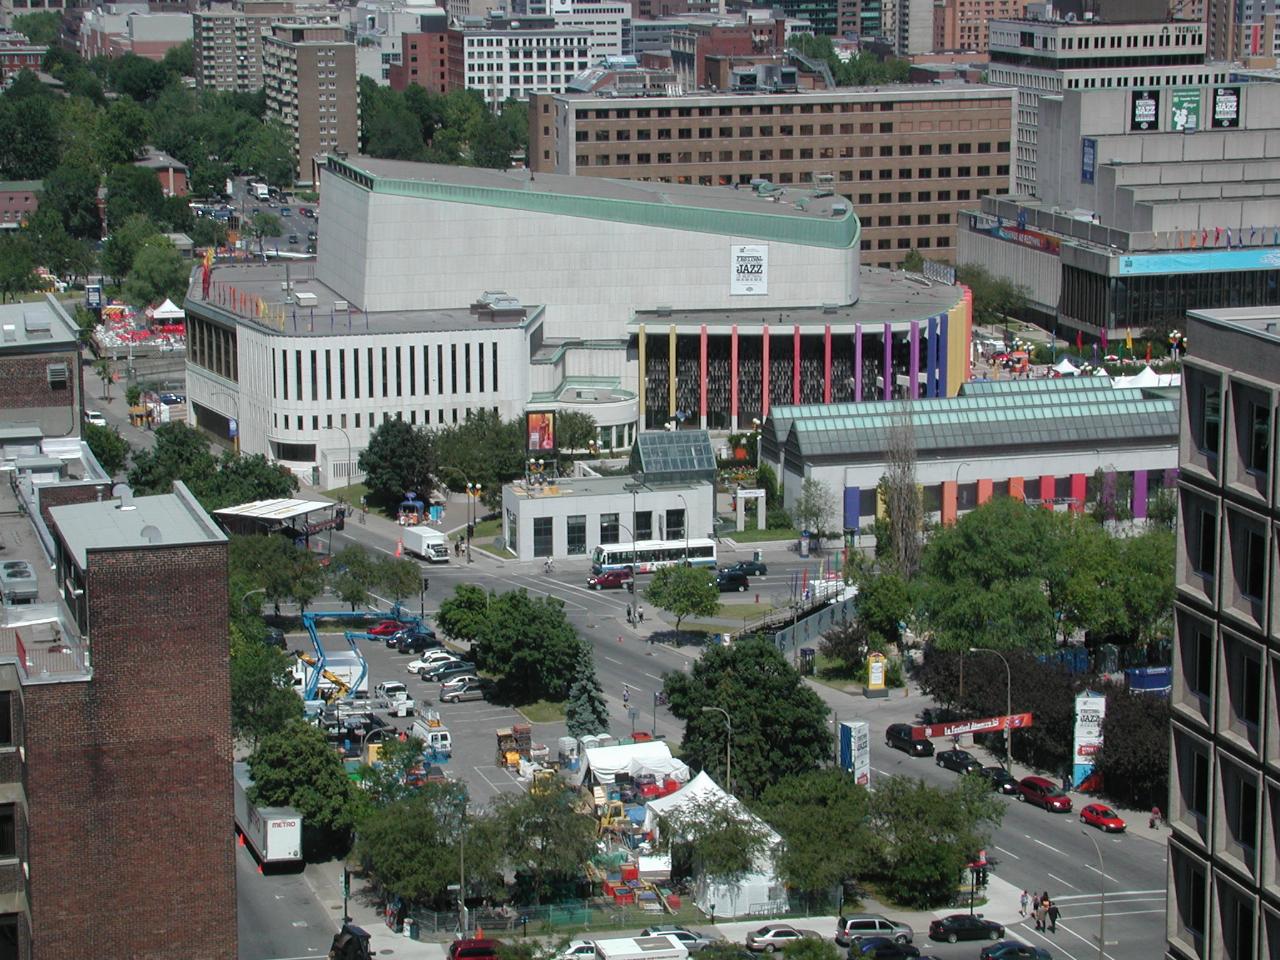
column 982, row 876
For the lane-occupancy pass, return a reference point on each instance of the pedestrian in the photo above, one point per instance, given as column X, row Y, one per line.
column 1154, row 822
column 1053, row 917
column 630, row 616
column 1022, row 904
column 1042, row 915
column 640, row 613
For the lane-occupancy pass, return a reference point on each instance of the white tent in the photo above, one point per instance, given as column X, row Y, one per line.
column 760, row 890
column 653, row 756
column 1066, row 367
column 1147, row 377
column 168, row 311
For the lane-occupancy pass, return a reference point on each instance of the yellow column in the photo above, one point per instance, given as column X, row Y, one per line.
column 671, row 370
column 640, row 379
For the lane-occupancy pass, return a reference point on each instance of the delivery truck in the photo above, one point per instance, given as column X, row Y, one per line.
column 658, row 947
column 260, row 190
column 428, row 543
column 273, row 833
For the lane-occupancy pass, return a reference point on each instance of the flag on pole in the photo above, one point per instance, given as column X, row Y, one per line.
column 1204, row 238
column 1148, row 351
column 1128, row 342
column 1253, row 232
column 1104, row 340
column 1217, row 236
column 1079, row 341
column 1228, row 238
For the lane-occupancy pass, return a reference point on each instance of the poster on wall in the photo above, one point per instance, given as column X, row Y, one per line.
column 1091, row 708
column 1088, row 158
column 1144, row 110
column 540, row 432
column 1184, row 110
column 1226, row 107
column 749, row 270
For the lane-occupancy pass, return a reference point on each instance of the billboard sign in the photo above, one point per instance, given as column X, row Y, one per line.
column 1184, row 110
column 1206, row 261
column 1091, row 709
column 1144, row 110
column 1088, row 158
column 93, row 296
column 1022, row 236
column 855, row 750
column 540, row 431
column 748, row 270
column 960, row 728
column 1226, row 107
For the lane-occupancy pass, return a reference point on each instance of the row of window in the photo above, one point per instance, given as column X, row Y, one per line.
column 784, row 109
column 357, row 421
column 605, row 135
column 610, row 530
column 584, row 159
column 384, row 371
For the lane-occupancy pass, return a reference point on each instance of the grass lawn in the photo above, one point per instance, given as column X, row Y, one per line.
column 351, row 494
column 487, row 528
column 835, row 674
column 543, row 711
column 751, row 535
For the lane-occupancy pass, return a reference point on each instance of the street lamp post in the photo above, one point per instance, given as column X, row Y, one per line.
column 728, row 745
column 1102, row 911
column 235, row 441
column 473, row 492
column 1008, row 704
column 250, row 594
column 634, row 487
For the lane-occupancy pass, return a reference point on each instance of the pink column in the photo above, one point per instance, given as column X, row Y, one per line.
column 764, row 372
column 1048, row 490
column 795, row 368
column 1078, row 492
column 702, row 366
column 826, row 364
column 733, row 378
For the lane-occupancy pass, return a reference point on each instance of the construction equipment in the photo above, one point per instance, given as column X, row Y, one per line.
column 339, row 687
column 514, row 744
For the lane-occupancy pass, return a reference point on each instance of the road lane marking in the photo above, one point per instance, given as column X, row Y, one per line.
column 1030, row 932
column 1113, row 913
column 1048, row 846
column 612, row 660
column 1112, row 893
column 652, row 677
column 1061, row 881
column 1096, row 870
column 1008, row 853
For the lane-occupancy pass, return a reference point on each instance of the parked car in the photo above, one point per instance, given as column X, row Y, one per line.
column 962, row 926
column 1000, row 779
column 749, row 568
column 898, row 736
column 432, row 658
column 285, row 211
column 774, row 936
column 730, row 580
column 609, row 580
column 1043, row 793
column 692, row 940
column 447, row 671
column 387, row 628
column 881, row 948
column 475, row 688
column 312, row 236
column 852, row 928
column 961, row 761
column 578, row 950
column 418, row 644
column 472, row 949
column 1103, row 817
column 420, row 631
column 94, row 417
column 1013, row 950
column 293, row 238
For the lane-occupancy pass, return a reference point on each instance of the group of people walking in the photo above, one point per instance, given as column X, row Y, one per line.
column 1043, row 910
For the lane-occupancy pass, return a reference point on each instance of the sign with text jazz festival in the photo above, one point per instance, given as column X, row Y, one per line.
column 1144, row 113
column 1226, row 107
column 749, row 270
column 1091, row 709
column 959, row 728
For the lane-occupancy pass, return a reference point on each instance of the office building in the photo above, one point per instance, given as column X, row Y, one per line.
column 646, row 303
column 915, row 27
column 517, row 58
column 1043, row 58
column 17, row 8
column 1224, row 768
column 1139, row 219
column 963, row 24
column 823, row 15
column 1243, row 31
column 609, row 22
column 431, row 55
column 908, row 158
column 309, row 71
column 227, row 39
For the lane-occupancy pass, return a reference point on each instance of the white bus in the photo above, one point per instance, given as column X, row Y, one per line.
column 645, row 556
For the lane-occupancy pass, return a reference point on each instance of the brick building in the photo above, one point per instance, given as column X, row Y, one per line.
column 962, row 24
column 431, row 57
column 172, row 174
column 18, row 200
column 40, row 380
column 18, row 54
column 908, row 157
column 694, row 43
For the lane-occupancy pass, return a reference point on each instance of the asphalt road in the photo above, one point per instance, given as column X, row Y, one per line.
column 278, row 915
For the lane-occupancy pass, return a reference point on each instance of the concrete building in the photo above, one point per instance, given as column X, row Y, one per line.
column 824, row 15
column 1042, row 441
column 379, row 28
column 432, row 56
column 1139, row 218
column 309, row 72
column 1224, row 801
column 40, row 379
column 517, row 58
column 909, row 158
column 609, row 22
column 16, row 8
column 963, row 24
column 914, row 27
column 227, row 39
column 1243, row 31
column 652, row 304
column 17, row 53
column 694, row 43
column 114, row 29
column 1043, row 58
column 18, row 201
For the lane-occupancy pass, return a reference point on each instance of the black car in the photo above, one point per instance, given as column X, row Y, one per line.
column 882, row 948
column 447, row 671
column 403, row 640
column 418, row 644
column 899, row 737
column 1000, row 779
column 961, row 761
column 962, row 926
column 749, row 568
column 731, row 580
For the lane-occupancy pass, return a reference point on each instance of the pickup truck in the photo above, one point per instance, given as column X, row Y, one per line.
column 393, row 696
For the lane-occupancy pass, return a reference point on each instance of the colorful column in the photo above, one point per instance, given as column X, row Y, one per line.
column 914, row 372
column 702, row 366
column 733, row 378
column 950, row 490
column 826, row 364
column 985, row 491
column 795, row 367
column 764, row 372
column 944, row 329
column 1078, row 492
column 931, row 359
column 857, row 362
column 888, row 362
column 1017, row 488
column 1139, row 494
column 640, row 378
column 671, row 370
column 1048, row 490
column 852, row 508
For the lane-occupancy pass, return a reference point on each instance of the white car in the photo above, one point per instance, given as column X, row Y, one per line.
column 577, row 950
column 457, row 682
column 94, row 417
column 431, row 659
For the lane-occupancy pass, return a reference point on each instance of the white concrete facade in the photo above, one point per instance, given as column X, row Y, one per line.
column 515, row 63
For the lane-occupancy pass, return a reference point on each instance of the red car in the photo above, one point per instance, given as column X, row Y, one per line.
column 387, row 627
column 1043, row 793
column 474, row 949
column 609, row 580
column 1103, row 817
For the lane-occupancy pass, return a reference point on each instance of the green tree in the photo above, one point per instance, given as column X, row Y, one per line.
column 547, row 838
column 138, row 78
column 575, row 430
column 28, row 133
column 585, row 711
column 353, row 574
column 180, row 59
column 390, row 779
column 17, row 268
column 132, row 395
column 492, row 145
column 398, row 459
column 715, row 837
column 399, row 577
column 898, row 535
column 925, row 835
column 530, row 645
column 1146, row 588
column 684, row 592
column 109, row 448
column 389, row 128
column 267, row 149
column 71, row 191
column 263, row 701
column 410, row 846
column 763, row 695
column 1134, row 759
column 102, row 367
column 241, row 478
column 482, row 449
column 119, row 133
column 124, row 242
column 815, row 508
column 265, row 224
column 158, row 272
column 913, row 261
column 995, row 299
column 808, row 948
column 1162, row 510
column 464, row 616
column 43, row 27
column 296, row 767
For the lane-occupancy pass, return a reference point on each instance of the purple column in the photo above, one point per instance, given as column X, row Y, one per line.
column 857, row 362
column 944, row 331
column 1139, row 494
column 888, row 362
column 931, row 359
column 914, row 372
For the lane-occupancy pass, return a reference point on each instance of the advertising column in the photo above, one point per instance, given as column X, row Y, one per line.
column 855, row 750
column 1091, row 708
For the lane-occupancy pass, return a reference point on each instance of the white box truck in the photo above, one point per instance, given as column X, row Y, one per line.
column 658, row 947
column 274, row 833
column 435, row 738
column 427, row 542
column 260, row 190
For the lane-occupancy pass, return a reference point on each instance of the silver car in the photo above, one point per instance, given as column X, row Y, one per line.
column 851, row 929
column 690, row 939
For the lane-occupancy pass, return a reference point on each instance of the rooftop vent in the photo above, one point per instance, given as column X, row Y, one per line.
column 123, row 493
column 10, row 333
column 663, row 311
column 839, row 209
column 151, row 533
column 38, row 326
column 830, row 307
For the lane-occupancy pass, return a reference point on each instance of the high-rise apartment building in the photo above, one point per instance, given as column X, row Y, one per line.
column 1044, row 57
column 1243, row 30
column 227, row 39
column 824, row 15
column 962, row 24
column 1224, row 776
column 907, row 158
column 309, row 72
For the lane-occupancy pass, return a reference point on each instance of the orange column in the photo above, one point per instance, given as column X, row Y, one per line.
column 1048, row 490
column 1016, row 488
column 985, row 488
column 949, row 491
column 1078, row 492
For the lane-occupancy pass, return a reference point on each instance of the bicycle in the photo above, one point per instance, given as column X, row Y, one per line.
column 548, row 566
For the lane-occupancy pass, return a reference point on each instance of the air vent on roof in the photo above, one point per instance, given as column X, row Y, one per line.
column 38, row 327
column 839, row 209
column 830, row 307
column 151, row 533
column 663, row 311
column 341, row 306
column 124, row 494
column 10, row 333
column 57, row 375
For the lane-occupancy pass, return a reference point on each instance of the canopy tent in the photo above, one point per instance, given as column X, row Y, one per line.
column 633, row 759
column 1147, row 377
column 168, row 311
column 1066, row 367
column 758, row 891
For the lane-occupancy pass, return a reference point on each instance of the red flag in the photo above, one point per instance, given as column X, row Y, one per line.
column 1148, row 351
column 1204, row 237
column 1079, row 341
column 1104, row 341
column 1217, row 235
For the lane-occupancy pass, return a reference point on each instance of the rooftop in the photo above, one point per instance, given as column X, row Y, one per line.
column 35, row 327
column 168, row 519
column 673, row 455
column 897, row 91
column 597, row 487
column 1261, row 322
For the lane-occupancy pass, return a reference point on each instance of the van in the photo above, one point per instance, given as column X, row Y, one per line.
column 656, row 947
column 851, row 929
column 436, row 739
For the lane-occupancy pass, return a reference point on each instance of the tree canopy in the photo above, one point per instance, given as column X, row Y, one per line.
column 684, row 592
column 296, row 767
column 530, row 645
column 398, row 460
